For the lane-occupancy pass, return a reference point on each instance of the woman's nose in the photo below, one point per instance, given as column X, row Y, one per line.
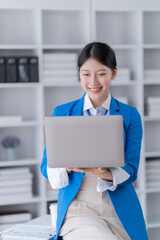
column 93, row 79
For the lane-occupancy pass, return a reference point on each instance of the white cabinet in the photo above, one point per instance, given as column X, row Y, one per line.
column 35, row 29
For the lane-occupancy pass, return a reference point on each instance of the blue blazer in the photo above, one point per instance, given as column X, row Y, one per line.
column 124, row 198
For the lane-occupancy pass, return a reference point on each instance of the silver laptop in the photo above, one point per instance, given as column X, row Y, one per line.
column 78, row 141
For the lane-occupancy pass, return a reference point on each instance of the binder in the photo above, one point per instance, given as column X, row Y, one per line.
column 33, row 69
column 11, row 69
column 2, row 69
column 23, row 69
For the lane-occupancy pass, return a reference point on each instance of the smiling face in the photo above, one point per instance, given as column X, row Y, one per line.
column 96, row 80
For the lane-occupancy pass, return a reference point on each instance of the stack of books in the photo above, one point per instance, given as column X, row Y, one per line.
column 9, row 219
column 60, row 67
column 153, row 106
column 15, row 184
column 123, row 74
column 152, row 74
column 153, row 173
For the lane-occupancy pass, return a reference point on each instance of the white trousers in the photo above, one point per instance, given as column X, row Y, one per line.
column 91, row 215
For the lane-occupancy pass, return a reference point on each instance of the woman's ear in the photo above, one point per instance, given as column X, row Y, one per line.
column 114, row 73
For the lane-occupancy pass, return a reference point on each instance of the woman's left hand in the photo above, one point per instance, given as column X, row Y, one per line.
column 98, row 172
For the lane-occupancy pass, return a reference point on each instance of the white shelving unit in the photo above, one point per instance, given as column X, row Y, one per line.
column 30, row 28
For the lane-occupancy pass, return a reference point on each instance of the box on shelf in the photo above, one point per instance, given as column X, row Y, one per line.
column 152, row 74
column 153, row 106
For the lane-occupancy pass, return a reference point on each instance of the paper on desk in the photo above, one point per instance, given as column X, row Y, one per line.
column 29, row 232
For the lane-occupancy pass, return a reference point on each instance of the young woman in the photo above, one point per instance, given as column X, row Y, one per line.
column 99, row 203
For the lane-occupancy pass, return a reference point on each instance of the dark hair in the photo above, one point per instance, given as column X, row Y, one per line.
column 100, row 52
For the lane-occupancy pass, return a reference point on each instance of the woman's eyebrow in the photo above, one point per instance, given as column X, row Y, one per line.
column 97, row 70
column 102, row 69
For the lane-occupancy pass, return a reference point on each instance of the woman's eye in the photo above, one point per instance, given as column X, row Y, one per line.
column 101, row 74
column 85, row 74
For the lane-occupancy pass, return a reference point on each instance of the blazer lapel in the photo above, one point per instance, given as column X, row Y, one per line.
column 114, row 107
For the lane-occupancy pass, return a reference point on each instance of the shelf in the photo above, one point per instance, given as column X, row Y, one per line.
column 132, row 30
column 151, row 118
column 80, row 46
column 125, row 83
column 153, row 225
column 26, row 201
column 19, row 85
column 19, row 47
column 153, row 190
column 151, row 46
column 19, row 162
column 68, row 47
column 151, row 82
column 61, row 84
column 21, row 124
column 124, row 46
column 152, row 154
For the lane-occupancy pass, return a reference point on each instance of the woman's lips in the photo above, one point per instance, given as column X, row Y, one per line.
column 95, row 90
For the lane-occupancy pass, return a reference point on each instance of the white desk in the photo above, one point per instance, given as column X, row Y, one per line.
column 40, row 221
column 44, row 220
